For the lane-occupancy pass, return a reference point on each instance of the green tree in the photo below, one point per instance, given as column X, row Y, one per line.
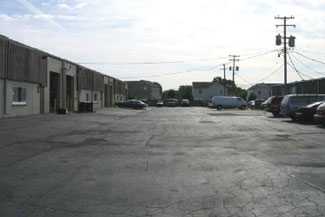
column 170, row 94
column 232, row 88
column 185, row 92
column 252, row 96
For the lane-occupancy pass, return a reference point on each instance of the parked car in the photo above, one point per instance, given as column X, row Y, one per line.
column 132, row 103
column 185, row 102
column 251, row 104
column 320, row 114
column 255, row 104
column 273, row 105
column 221, row 102
column 160, row 104
column 171, row 102
column 291, row 103
column 306, row 113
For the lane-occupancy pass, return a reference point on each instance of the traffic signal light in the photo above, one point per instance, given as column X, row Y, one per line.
column 292, row 40
column 278, row 40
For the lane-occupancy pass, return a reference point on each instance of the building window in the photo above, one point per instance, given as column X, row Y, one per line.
column 87, row 97
column 95, row 97
column 19, row 96
column 200, row 91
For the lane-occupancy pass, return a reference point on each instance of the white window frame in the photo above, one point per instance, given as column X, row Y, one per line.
column 19, row 96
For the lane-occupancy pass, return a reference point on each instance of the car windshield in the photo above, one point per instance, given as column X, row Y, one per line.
column 268, row 100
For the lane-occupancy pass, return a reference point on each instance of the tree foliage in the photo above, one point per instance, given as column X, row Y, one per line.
column 185, row 92
column 233, row 90
column 170, row 94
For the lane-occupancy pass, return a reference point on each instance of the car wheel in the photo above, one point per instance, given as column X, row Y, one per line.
column 219, row 107
column 275, row 114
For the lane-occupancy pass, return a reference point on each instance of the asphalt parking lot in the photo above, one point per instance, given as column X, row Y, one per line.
column 161, row 162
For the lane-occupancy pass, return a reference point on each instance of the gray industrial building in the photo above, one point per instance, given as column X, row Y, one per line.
column 148, row 91
column 35, row 82
column 262, row 91
column 301, row 87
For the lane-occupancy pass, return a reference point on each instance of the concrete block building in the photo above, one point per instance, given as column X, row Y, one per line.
column 120, row 91
column 35, row 82
column 313, row 86
column 147, row 91
column 262, row 91
column 203, row 91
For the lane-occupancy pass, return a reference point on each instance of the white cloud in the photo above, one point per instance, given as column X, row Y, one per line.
column 167, row 30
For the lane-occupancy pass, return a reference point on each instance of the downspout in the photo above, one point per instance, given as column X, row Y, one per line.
column 62, row 100
column 92, row 91
column 5, row 79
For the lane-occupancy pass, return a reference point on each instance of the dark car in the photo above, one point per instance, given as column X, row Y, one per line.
column 292, row 102
column 133, row 103
column 307, row 112
column 320, row 114
column 273, row 105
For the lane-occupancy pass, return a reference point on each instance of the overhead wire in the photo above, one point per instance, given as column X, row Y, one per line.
column 310, row 58
column 307, row 66
column 293, row 66
column 176, row 73
column 269, row 75
column 258, row 55
column 152, row 62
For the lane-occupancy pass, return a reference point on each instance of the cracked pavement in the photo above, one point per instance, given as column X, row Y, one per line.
column 161, row 162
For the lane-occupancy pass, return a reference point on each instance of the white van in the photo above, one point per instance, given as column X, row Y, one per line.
column 220, row 102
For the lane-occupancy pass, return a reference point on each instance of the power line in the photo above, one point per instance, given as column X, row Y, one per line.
column 174, row 73
column 312, row 52
column 269, row 75
column 174, row 61
column 258, row 55
column 300, row 74
column 312, row 59
column 243, row 79
column 151, row 62
column 307, row 66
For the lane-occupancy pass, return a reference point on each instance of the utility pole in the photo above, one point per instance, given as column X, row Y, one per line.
column 224, row 78
column 224, row 71
column 234, row 59
column 278, row 42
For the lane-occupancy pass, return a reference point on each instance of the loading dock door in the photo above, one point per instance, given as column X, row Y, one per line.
column 70, row 93
column 54, row 92
column 106, row 96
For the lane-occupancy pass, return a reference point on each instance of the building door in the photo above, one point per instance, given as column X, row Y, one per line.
column 42, row 95
column 54, row 92
column 110, row 95
column 70, row 93
column 106, row 96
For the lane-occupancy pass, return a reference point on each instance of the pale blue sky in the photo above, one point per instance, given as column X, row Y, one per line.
column 192, row 33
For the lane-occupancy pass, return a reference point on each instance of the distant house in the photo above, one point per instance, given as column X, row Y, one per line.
column 262, row 91
column 203, row 91
column 144, row 90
